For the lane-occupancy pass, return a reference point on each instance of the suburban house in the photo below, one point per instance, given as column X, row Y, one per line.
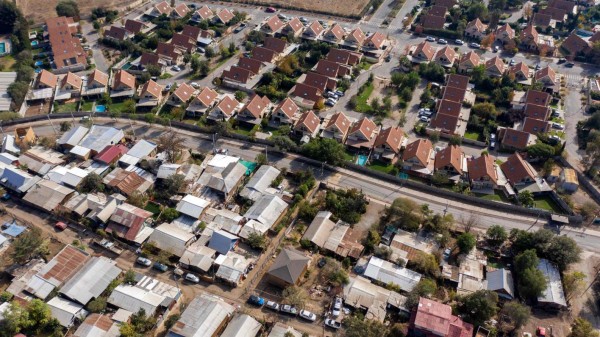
column 123, row 84
column 272, row 26
column 447, row 120
column 505, row 33
column 204, row 13
column 516, row 140
column 250, row 64
column 548, row 77
column 46, row 80
column 568, row 180
column 543, row 20
column 223, row 16
column 181, row 95
column 518, row 171
column 495, row 67
column 185, row 42
column 285, row 112
column 344, row 57
column 519, row 71
column 335, row 34
column 130, row 223
column 66, row 48
column 451, row 161
column 274, row 44
column 319, row 81
column 264, row 54
column 95, row 84
column 306, row 95
column 237, row 74
column 150, row 94
column 162, row 8
column 362, row 134
column 169, row 53
column 535, row 126
column 424, row 52
column 69, row 87
column 287, row 268
column 255, row 110
column 475, row 29
column 307, row 126
column 468, row 61
column 331, row 69
column 355, row 38
column 134, row 26
column 445, row 57
column 226, row 108
column 432, row 21
column 482, row 173
column 417, row 157
column 375, row 41
column 117, row 33
column 294, row 28
column 337, row 127
column 180, row 11
column 204, row 101
column 313, row 31
column 206, row 315
column 530, row 38
column 575, row 45
column 432, row 318
column 388, row 143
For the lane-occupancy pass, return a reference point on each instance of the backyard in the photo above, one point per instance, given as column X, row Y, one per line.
column 66, row 107
column 546, row 203
column 362, row 104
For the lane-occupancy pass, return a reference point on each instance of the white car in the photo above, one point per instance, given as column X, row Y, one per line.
column 176, row 68
column 425, row 113
column 512, row 62
column 272, row 305
column 474, row 45
column 192, row 278
column 307, row 315
column 558, row 126
column 459, row 42
column 143, row 261
column 195, row 85
column 424, row 119
column 442, row 41
column 337, row 306
column 430, row 39
column 333, row 324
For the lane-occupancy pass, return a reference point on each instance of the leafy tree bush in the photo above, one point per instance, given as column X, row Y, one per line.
column 347, row 205
column 257, row 241
column 68, row 8
column 478, row 307
column 465, row 242
column 325, row 150
column 496, row 235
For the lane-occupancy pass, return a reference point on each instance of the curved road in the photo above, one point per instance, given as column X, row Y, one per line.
column 377, row 190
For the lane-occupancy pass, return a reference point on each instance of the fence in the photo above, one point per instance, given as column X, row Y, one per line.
column 514, row 209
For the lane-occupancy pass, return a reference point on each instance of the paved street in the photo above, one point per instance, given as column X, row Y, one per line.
column 377, row 190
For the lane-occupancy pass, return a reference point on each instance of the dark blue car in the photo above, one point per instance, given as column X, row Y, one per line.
column 256, row 300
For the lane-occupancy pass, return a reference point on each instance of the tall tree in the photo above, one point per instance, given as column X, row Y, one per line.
column 325, row 150
column 465, row 242
column 496, row 235
column 28, row 245
column 295, row 296
column 518, row 314
column 479, row 306
column 171, row 144
column 68, row 8
column 582, row 328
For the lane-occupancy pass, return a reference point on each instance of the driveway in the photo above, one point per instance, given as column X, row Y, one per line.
column 91, row 35
column 574, row 113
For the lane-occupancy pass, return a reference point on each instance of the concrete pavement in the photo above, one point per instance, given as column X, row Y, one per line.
column 375, row 189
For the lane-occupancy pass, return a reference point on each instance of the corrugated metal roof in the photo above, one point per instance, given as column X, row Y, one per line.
column 47, row 194
column 222, row 241
column 280, row 329
column 167, row 170
column 260, row 182
column 80, row 151
column 253, row 226
column 91, row 280
column 554, row 290
column 6, row 79
column 73, row 136
column 97, row 325
column 386, row 272
column 242, row 326
column 7, row 158
column 202, row 317
column 17, row 180
column 66, row 311
column 132, row 298
column 501, row 279
column 199, row 256
column 267, row 209
column 171, row 238
column 232, row 267
column 100, row 137
column 142, row 149
column 192, row 206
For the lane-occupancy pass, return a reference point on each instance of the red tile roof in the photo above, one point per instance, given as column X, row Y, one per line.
column 515, row 139
column 425, row 51
column 482, row 167
column 152, row 88
column 237, row 74
column 184, row 41
column 430, row 21
column 72, row 80
column 274, row 44
column 327, row 68
column 392, row 137
column 225, row 15
column 495, row 64
column 47, row 78
column 274, row 24
column 519, row 70
column 250, row 64
column 117, row 33
column 537, row 111
column 535, row 126
column 445, row 123
column 546, row 74
column 451, row 156
column 477, row 24
column 149, row 58
column 98, row 77
column 319, row 81
column 437, row 11
column 448, row 53
column 376, row 40
column 506, row 28
column 315, row 28
column 163, row 8
column 358, row 36
column 167, row 50
column 340, row 121
column 134, row 26
column 123, row 79
column 263, row 54
column 308, row 120
column 364, row 126
column 181, row 9
column 557, row 14
column 450, row 108
column 288, row 107
column 336, row 32
column 344, row 56
column 457, row 81
column 257, row 105
column 228, row 105
column 184, row 92
column 205, row 13
column 207, row 96
column 453, row 94
column 537, row 97
column 66, row 48
column 517, row 170
column 294, row 25
column 471, row 56
column 420, row 149
column 128, row 220
column 307, row 92
column 574, row 44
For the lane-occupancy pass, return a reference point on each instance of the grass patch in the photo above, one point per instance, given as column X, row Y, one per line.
column 117, row 107
column 497, row 196
column 472, row 135
column 165, row 76
column 153, row 207
column 7, row 62
column 546, row 203
column 381, row 166
column 246, row 130
column 361, row 100
column 67, row 107
column 364, row 65
column 495, row 264
column 348, row 156
column 87, row 106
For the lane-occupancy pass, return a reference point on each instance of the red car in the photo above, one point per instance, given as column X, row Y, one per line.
column 271, row 10
column 541, row 331
column 60, row 226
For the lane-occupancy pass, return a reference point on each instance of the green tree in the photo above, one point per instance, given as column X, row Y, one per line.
column 15, row 318
column 518, row 314
column 532, row 283
column 257, row 241
column 496, row 235
column 405, row 214
column 582, row 328
column 478, row 307
column 440, row 178
column 137, row 199
column 91, row 183
column 129, row 106
column 129, row 277
column 485, row 110
column 283, row 143
column 27, row 245
column 371, row 240
column 425, row 288
column 240, row 95
column 153, row 70
column 65, row 126
column 17, row 91
column 169, row 214
column 171, row 144
column 541, row 151
column 358, row 326
column 261, row 159
column 39, row 314
column 526, row 198
column 563, row 251
column 68, row 8
column 465, row 242
column 295, row 296
column 574, row 283
column 526, row 260
column 334, row 273
column 424, row 263
column 325, row 150
column 97, row 305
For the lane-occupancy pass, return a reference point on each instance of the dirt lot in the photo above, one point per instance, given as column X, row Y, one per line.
column 38, row 9
column 341, row 7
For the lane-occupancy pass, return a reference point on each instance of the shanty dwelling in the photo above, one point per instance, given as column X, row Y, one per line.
column 387, row 272
column 171, row 238
column 66, row 312
column 223, row 242
column 205, row 316
column 260, row 183
column 242, row 325
column 232, row 268
column 287, row 268
column 501, row 282
column 333, row 236
column 91, row 281
column 130, row 223
column 48, row 195
column 96, row 325
column 197, row 257
column 361, row 294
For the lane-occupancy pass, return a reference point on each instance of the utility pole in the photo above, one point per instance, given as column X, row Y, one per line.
column 52, row 125
column 267, row 153
column 131, row 126
column 1, row 129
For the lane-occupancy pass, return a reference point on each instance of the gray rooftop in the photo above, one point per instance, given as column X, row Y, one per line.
column 260, row 182
column 554, row 293
column 91, row 280
column 6, row 79
column 501, row 280
column 73, row 136
column 202, row 317
column 266, row 210
column 242, row 326
column 100, row 137
column 289, row 265
column 386, row 272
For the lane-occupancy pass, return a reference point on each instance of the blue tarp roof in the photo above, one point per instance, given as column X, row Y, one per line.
column 222, row 241
column 12, row 229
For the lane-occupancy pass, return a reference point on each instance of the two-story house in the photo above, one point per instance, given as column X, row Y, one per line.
column 337, row 127
column 181, row 95
column 285, row 112
column 424, row 52
column 475, row 29
column 313, row 31
column 451, row 161
column 417, row 157
column 361, row 135
column 335, row 34
column 226, row 108
column 272, row 26
column 123, row 84
column 150, row 94
column 468, row 61
column 294, row 27
column 223, row 16
column 204, row 101
column 46, row 80
column 308, row 126
column 356, row 38
column 495, row 67
column 445, row 57
column 505, row 33
column 518, row 171
column 388, row 144
column 255, row 110
column 482, row 173
column 70, row 84
column 519, row 71
column 203, row 13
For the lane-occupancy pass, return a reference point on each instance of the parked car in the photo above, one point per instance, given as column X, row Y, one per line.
column 192, row 278
column 554, row 139
column 332, row 94
column 512, row 62
column 303, row 19
column 493, row 136
column 558, row 126
column 561, row 60
column 333, row 324
column 492, row 144
column 168, row 86
column 337, row 306
column 496, row 49
column 201, row 50
column 570, row 65
column 195, row 85
column 339, row 93
column 61, row 226
column 459, row 42
column 425, row 113
column 430, row 39
column 256, row 300
column 160, row 267
column 442, row 41
column 282, row 16
column 330, row 102
column 322, row 262
column 555, row 113
column 176, row 68
column 271, row 10
column 474, row 45
column 388, row 58
column 288, row 309
column 239, row 28
column 272, row 305
column 143, row 261
column 425, row 119
column 307, row 315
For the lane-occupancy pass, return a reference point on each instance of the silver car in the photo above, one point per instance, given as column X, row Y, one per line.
column 192, row 278
column 307, row 315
